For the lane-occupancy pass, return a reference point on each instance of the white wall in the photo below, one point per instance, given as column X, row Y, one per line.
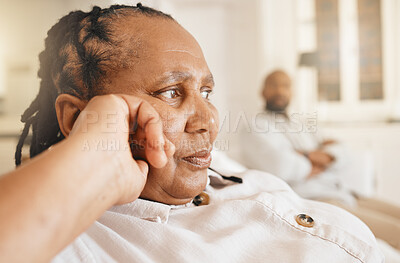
column 23, row 28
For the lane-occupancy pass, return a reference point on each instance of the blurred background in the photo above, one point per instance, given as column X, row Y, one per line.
column 343, row 57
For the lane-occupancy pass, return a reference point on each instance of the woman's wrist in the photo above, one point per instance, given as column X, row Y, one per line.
column 104, row 161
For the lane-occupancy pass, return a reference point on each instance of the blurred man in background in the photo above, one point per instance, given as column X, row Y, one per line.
column 289, row 146
column 294, row 150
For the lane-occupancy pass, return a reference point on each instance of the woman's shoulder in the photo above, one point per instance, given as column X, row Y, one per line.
column 315, row 220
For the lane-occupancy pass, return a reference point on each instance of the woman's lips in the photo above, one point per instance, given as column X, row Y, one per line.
column 200, row 160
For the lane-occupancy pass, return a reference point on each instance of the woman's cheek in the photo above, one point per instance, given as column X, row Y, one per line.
column 214, row 124
column 173, row 126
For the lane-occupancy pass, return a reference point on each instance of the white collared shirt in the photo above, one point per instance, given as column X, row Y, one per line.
column 250, row 222
column 275, row 147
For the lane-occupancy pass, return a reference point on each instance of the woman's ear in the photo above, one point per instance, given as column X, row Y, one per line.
column 68, row 108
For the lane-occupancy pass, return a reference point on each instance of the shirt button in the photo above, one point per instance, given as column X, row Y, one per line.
column 305, row 220
column 201, row 199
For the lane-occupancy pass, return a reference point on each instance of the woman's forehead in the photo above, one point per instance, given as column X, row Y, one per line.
column 155, row 48
column 148, row 36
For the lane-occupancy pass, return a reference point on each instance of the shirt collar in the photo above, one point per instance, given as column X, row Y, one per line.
column 159, row 212
column 144, row 209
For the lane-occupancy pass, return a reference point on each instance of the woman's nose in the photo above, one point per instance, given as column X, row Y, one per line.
column 200, row 118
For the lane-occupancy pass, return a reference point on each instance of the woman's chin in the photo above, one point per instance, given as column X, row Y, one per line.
column 182, row 190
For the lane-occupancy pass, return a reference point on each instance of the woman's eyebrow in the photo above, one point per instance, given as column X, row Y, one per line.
column 180, row 76
column 173, row 77
column 208, row 80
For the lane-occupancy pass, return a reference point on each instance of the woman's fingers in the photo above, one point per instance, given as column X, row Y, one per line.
column 134, row 182
column 114, row 117
column 147, row 118
column 143, row 120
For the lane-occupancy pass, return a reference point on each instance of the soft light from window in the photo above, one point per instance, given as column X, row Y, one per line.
column 2, row 77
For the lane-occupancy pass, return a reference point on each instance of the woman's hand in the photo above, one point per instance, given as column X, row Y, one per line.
column 106, row 125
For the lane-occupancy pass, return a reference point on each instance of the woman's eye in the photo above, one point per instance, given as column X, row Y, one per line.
column 170, row 94
column 205, row 94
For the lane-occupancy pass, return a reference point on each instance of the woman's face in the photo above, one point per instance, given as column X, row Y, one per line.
column 167, row 68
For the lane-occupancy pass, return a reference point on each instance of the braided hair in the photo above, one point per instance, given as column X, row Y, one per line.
column 79, row 50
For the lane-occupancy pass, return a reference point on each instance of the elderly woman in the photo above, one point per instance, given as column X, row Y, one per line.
column 185, row 213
